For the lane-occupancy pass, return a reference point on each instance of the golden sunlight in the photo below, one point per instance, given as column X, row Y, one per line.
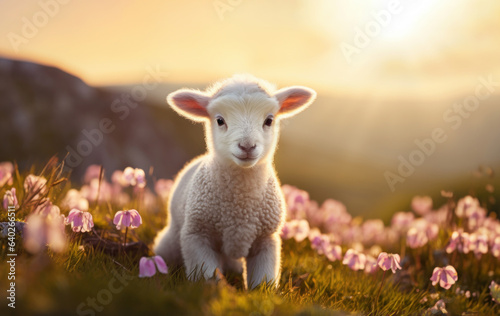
column 337, row 45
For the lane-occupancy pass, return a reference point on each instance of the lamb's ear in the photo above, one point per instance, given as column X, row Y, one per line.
column 189, row 103
column 293, row 100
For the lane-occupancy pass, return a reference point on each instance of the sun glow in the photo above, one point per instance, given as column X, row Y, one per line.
column 421, row 41
column 412, row 18
column 413, row 21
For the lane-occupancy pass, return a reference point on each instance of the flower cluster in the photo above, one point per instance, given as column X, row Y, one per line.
column 329, row 228
column 134, row 177
column 97, row 189
column 479, row 235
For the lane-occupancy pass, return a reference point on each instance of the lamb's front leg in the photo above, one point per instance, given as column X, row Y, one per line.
column 264, row 261
column 198, row 255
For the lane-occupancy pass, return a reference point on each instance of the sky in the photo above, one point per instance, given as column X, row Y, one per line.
column 392, row 48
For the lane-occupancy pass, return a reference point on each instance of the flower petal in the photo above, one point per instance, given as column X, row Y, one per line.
column 146, row 267
column 77, row 220
column 160, row 264
column 435, row 275
column 118, row 217
column 135, row 219
column 126, row 219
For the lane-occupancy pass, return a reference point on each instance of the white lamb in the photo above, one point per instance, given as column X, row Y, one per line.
column 226, row 206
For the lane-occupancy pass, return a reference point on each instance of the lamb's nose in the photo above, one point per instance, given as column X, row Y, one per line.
column 247, row 147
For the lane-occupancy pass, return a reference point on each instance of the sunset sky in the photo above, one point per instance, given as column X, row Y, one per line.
column 425, row 47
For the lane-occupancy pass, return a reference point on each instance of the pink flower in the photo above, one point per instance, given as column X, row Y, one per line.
column 148, row 266
column 401, row 221
column 130, row 218
column 35, row 186
column 140, row 178
column 80, row 221
column 333, row 252
column 371, row 264
column 478, row 244
column 46, row 208
column 134, row 177
column 296, row 201
column 335, row 214
column 6, row 170
column 287, row 231
column 319, row 242
column 302, row 230
column 74, row 199
column 476, row 217
column 118, row 178
column 493, row 225
column 446, row 276
column 495, row 248
column 163, row 187
column 10, row 199
column 351, row 234
column 313, row 214
column 94, row 189
column 92, row 172
column 495, row 292
column 128, row 176
column 41, row 230
column 421, row 204
column 354, row 260
column 373, row 230
column 459, row 241
column 416, row 238
column 389, row 261
column 390, row 237
column 431, row 230
column 298, row 229
column 438, row 217
column 466, row 205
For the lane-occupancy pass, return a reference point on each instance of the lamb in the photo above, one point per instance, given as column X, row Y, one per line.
column 226, row 208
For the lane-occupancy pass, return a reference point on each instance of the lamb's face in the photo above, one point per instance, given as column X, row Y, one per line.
column 241, row 116
column 243, row 128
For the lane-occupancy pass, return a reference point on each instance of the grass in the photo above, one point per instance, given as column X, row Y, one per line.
column 310, row 285
column 86, row 281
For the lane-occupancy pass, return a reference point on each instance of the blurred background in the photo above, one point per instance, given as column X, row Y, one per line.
column 90, row 78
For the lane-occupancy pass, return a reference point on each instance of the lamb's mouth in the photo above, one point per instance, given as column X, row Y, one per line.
column 245, row 158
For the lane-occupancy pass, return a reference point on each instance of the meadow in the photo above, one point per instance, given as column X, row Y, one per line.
column 86, row 250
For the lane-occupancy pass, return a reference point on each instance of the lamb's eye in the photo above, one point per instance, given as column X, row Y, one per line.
column 268, row 121
column 220, row 121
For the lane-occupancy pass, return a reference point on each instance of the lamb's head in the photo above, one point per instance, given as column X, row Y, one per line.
column 241, row 116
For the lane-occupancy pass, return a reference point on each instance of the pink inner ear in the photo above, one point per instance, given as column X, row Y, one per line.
column 191, row 104
column 295, row 99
